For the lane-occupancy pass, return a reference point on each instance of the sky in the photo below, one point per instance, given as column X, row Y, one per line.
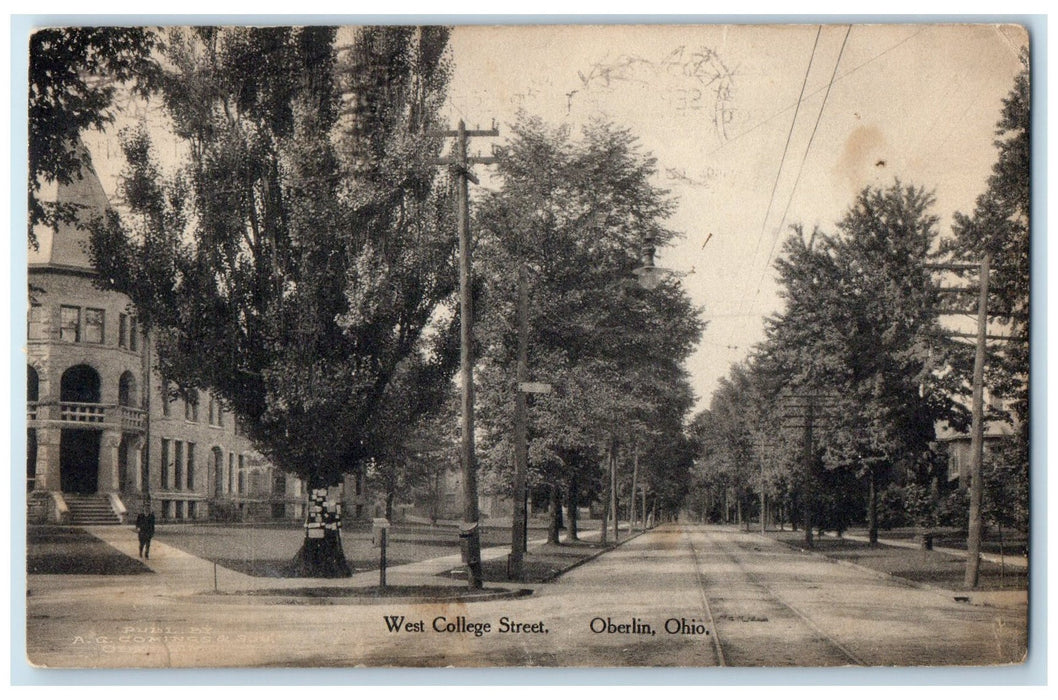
column 754, row 128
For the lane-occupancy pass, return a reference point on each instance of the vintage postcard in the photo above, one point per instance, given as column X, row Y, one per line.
column 528, row 346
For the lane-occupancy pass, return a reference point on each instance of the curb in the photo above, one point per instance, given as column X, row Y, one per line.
column 596, row 555
column 245, row 598
column 550, row 578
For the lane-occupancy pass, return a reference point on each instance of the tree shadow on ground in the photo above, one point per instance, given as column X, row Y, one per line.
column 72, row 551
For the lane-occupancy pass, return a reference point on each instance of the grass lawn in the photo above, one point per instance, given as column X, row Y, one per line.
column 1013, row 542
column 65, row 550
column 269, row 550
column 542, row 564
column 919, row 565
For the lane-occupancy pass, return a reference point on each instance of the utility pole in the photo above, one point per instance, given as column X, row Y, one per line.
column 973, row 538
column 521, row 456
column 809, row 464
column 460, row 162
column 808, row 412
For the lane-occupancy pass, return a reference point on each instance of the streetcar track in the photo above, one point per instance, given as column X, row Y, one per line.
column 753, row 579
column 804, row 617
column 717, row 647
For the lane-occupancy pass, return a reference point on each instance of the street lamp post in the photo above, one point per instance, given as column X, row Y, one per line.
column 649, row 274
column 520, row 520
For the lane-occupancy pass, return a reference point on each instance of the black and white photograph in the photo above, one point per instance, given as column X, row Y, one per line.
column 526, row 345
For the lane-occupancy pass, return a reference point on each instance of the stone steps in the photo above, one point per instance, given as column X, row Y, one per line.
column 90, row 510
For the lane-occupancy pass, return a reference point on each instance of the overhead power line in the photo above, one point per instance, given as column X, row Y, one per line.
column 789, row 137
column 804, row 158
column 786, row 148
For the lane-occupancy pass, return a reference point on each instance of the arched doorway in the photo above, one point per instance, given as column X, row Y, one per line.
column 79, row 447
column 79, row 460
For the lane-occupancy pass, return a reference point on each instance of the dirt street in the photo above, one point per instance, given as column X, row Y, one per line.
column 677, row 596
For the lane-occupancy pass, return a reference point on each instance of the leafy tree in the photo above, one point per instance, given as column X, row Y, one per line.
column 1006, row 502
column 411, row 438
column 852, row 355
column 574, row 212
column 728, row 440
column 999, row 226
column 74, row 74
column 294, row 262
column 899, row 395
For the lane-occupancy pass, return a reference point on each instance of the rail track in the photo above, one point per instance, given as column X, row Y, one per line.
column 741, row 609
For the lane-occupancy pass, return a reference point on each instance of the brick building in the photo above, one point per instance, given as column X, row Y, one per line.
column 105, row 434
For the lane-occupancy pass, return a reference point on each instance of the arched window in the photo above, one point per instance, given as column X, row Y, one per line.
column 127, row 389
column 80, row 384
column 191, row 405
column 218, row 471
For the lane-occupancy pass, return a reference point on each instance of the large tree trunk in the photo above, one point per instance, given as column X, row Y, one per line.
column 614, row 510
column 635, row 480
column 571, row 509
column 321, row 554
column 389, row 506
column 554, row 512
column 872, row 507
column 808, row 525
column 603, row 538
column 643, row 510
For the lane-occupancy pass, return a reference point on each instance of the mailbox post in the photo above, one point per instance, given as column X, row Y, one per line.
column 468, row 530
column 379, row 530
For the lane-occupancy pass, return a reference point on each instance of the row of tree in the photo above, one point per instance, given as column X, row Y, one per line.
column 298, row 259
column 833, row 418
column 573, row 211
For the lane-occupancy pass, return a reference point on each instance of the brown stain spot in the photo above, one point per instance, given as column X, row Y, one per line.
column 863, row 159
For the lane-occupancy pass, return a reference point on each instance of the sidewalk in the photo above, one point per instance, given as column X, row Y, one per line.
column 183, row 573
column 1006, row 560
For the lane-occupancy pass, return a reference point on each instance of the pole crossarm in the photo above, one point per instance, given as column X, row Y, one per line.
column 453, row 133
column 954, row 267
column 471, row 160
column 987, row 336
column 459, row 167
column 973, row 312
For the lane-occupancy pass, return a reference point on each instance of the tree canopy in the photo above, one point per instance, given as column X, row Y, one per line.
column 849, row 364
column 294, row 263
column 574, row 212
column 74, row 75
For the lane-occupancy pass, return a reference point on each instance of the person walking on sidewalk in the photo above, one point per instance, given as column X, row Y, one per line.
column 145, row 526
